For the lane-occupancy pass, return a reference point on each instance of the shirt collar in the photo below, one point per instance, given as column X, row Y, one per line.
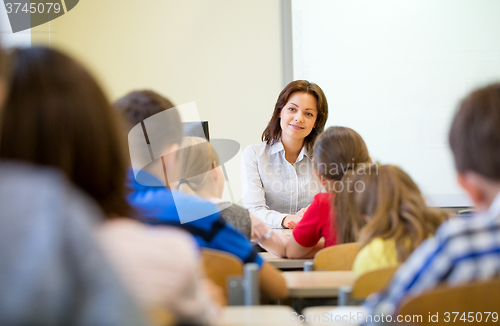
column 302, row 153
column 277, row 147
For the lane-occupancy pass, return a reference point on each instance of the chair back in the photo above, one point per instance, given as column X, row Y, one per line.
column 220, row 265
column 471, row 301
column 162, row 317
column 371, row 282
column 336, row 258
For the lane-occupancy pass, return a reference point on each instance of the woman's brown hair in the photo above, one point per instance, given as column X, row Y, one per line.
column 394, row 205
column 57, row 115
column 346, row 224
column 337, row 150
column 272, row 133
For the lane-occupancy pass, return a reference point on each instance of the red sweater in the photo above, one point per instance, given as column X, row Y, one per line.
column 316, row 223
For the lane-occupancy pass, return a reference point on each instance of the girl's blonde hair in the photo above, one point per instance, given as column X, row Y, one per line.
column 394, row 205
column 195, row 159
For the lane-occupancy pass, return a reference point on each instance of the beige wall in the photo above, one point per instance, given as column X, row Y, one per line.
column 224, row 54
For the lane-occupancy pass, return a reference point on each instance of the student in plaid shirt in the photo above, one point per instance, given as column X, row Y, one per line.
column 464, row 249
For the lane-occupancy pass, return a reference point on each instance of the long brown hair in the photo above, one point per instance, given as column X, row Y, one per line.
column 272, row 133
column 57, row 115
column 347, row 224
column 394, row 205
column 337, row 150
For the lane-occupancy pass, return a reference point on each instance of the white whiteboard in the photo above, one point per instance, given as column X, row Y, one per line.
column 395, row 71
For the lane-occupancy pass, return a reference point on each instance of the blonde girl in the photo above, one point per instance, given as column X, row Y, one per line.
column 397, row 218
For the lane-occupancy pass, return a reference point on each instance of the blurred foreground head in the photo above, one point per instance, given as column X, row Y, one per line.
column 57, row 115
column 474, row 140
column 4, row 68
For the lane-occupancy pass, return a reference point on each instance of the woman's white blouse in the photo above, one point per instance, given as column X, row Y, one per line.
column 272, row 187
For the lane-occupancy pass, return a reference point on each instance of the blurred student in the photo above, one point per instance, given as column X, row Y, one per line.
column 464, row 249
column 56, row 115
column 397, row 218
column 277, row 174
column 52, row 271
column 200, row 174
column 336, row 151
column 158, row 205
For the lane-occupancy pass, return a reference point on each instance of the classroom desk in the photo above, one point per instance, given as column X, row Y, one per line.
column 283, row 263
column 317, row 284
column 257, row 315
column 287, row 232
column 316, row 316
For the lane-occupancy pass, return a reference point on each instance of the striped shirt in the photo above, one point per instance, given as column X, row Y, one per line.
column 464, row 249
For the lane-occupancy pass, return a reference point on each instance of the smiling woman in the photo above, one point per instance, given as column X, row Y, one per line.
column 277, row 175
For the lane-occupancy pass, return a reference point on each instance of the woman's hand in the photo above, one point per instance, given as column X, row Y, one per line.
column 290, row 221
column 302, row 211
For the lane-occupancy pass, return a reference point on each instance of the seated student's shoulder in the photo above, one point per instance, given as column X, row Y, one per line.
column 18, row 176
column 464, row 225
column 125, row 238
column 33, row 191
column 323, row 198
column 378, row 253
column 161, row 205
column 195, row 210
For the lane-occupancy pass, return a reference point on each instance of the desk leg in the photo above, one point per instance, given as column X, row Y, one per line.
column 297, row 304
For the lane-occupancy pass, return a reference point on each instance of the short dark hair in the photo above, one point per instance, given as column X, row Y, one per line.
column 475, row 133
column 272, row 133
column 57, row 115
column 137, row 106
column 338, row 149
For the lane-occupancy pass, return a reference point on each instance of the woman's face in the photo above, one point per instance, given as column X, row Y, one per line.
column 298, row 116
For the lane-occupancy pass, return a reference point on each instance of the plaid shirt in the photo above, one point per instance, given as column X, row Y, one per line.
column 464, row 249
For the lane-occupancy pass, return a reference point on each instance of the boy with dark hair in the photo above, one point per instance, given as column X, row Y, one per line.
column 158, row 122
column 137, row 106
column 464, row 249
